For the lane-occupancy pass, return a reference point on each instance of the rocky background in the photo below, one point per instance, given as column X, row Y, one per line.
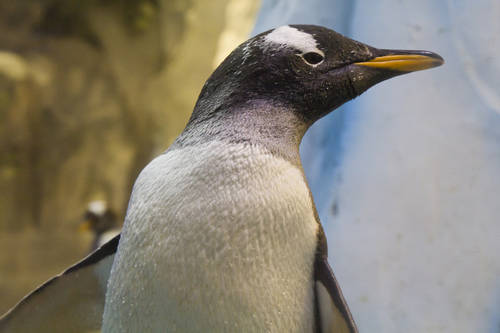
column 90, row 91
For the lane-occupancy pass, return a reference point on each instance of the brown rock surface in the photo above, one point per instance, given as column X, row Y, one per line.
column 90, row 91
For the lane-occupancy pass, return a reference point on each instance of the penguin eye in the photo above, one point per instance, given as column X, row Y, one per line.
column 312, row 58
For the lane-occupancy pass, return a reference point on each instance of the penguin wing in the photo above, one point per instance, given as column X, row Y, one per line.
column 333, row 315
column 333, row 312
column 72, row 301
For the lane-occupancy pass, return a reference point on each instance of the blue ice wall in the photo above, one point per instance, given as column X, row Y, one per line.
column 406, row 178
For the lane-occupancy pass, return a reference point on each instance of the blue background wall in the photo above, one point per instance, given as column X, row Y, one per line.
column 407, row 177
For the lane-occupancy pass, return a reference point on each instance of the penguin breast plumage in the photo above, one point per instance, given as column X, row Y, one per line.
column 214, row 230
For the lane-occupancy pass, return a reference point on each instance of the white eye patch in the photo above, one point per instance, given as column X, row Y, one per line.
column 291, row 37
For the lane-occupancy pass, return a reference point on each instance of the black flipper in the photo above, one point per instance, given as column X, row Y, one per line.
column 333, row 315
column 72, row 301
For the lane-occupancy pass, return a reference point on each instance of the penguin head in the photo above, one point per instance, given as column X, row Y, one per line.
column 309, row 69
column 98, row 218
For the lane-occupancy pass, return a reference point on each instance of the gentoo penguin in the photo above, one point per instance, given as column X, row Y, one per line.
column 101, row 220
column 221, row 232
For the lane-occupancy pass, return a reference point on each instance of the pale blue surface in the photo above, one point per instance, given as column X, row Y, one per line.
column 412, row 166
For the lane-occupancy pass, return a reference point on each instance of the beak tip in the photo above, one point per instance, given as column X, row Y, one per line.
column 438, row 60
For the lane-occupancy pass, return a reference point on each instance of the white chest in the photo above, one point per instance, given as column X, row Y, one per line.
column 215, row 239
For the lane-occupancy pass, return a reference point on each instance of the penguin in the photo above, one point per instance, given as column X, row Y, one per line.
column 101, row 220
column 221, row 232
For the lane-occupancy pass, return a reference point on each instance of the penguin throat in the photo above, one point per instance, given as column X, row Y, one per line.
column 275, row 128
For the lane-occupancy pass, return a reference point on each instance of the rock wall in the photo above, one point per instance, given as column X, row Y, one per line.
column 90, row 91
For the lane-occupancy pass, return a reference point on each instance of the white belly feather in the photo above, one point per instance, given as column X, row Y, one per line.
column 217, row 238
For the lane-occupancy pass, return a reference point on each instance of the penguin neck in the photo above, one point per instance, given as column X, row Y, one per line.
column 272, row 126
